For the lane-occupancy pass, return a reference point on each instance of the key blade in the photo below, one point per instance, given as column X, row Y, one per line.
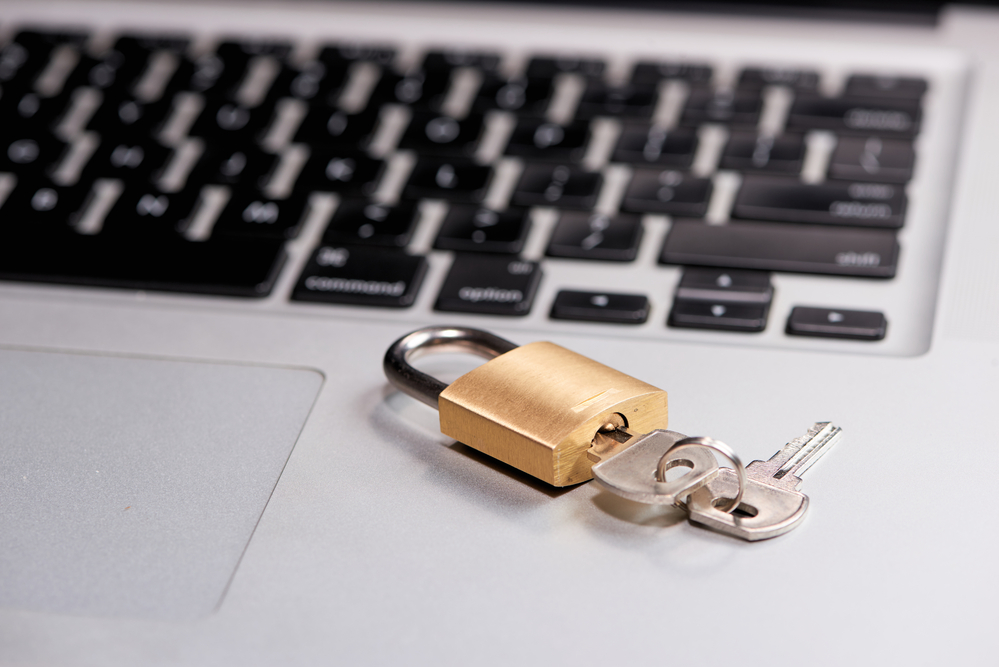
column 807, row 449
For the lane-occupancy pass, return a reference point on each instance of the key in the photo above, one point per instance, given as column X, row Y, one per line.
column 361, row 277
column 229, row 123
column 549, row 67
column 670, row 192
column 750, row 152
column 329, row 170
column 539, row 139
column 551, row 185
column 597, row 236
column 856, row 115
column 422, row 90
column 866, row 85
column 516, row 95
column 474, row 229
column 836, row 323
column 780, row 246
column 739, row 108
column 771, row 504
column 722, row 299
column 492, row 285
column 459, row 180
column 252, row 214
column 600, row 307
column 434, row 134
column 640, row 144
column 646, row 72
column 632, row 101
column 632, row 472
column 758, row 77
column 334, row 128
column 829, row 203
column 447, row 60
column 359, row 222
column 872, row 159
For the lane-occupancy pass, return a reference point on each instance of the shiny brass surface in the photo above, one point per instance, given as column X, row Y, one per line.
column 540, row 406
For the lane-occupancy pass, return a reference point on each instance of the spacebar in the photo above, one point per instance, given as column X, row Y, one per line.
column 244, row 267
column 783, row 247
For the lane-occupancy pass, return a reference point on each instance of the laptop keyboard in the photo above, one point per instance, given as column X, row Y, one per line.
column 147, row 166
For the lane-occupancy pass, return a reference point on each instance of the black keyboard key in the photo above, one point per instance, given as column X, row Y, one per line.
column 738, row 108
column 330, row 170
column 314, row 81
column 454, row 180
column 722, row 316
column 643, row 144
column 538, row 139
column 856, row 115
column 131, row 162
column 24, row 58
column 782, row 247
column 648, row 72
column 490, row 285
column 725, row 286
column 433, row 134
column 252, row 214
column 359, row 222
column 136, row 45
column 872, row 159
column 223, row 122
column 148, row 212
column 721, row 299
column 36, row 205
column 245, row 49
column 30, row 154
column 669, row 192
column 335, row 128
column 831, row 202
column 360, row 276
column 346, row 54
column 244, row 267
column 130, row 119
column 248, row 166
column 474, row 229
column 210, row 74
column 114, row 72
column 423, row 90
column 600, row 307
column 632, row 101
column 549, row 67
column 526, row 96
column 900, row 87
column 598, row 236
column 754, row 78
column 448, row 60
column 557, row 185
column 837, row 323
column 783, row 154
column 30, row 112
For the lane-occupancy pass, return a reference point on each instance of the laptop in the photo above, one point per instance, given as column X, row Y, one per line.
column 218, row 217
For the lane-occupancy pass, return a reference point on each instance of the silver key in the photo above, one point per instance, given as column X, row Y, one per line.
column 631, row 473
column 771, row 504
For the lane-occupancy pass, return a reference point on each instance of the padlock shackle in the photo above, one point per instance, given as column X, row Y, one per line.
column 427, row 388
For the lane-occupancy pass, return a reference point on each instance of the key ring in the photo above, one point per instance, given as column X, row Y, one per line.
column 715, row 445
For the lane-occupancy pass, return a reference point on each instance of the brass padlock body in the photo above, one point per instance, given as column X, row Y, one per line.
column 539, row 406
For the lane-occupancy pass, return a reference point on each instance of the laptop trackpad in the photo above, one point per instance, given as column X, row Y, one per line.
column 131, row 486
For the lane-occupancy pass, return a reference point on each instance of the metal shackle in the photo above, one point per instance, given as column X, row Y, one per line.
column 427, row 388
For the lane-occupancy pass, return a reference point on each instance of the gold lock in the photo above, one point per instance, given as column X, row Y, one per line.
column 538, row 407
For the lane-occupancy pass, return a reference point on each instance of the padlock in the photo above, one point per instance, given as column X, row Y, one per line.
column 537, row 407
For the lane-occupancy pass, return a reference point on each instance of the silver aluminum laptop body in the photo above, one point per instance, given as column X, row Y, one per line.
column 192, row 479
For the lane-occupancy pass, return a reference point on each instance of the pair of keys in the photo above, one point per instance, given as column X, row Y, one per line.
column 564, row 419
column 755, row 502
